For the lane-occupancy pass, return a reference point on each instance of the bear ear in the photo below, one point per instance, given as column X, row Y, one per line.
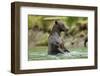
column 56, row 22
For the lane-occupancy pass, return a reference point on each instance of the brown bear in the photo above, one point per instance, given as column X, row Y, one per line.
column 55, row 43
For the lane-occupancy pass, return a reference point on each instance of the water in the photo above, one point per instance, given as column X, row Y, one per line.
column 40, row 53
